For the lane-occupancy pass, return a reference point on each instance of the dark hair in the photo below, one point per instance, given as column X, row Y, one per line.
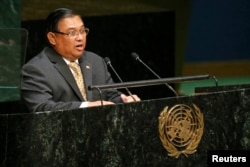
column 54, row 17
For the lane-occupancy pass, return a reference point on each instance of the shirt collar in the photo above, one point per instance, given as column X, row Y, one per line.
column 67, row 61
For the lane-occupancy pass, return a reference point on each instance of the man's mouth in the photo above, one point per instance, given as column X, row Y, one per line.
column 79, row 47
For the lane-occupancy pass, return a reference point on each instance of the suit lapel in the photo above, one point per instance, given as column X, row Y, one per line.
column 64, row 70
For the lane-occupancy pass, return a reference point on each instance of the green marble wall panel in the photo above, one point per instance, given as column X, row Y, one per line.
column 12, row 49
column 10, row 13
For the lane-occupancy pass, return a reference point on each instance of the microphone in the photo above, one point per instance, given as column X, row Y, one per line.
column 108, row 62
column 137, row 58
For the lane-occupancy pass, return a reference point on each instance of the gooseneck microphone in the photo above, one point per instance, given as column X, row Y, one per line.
column 108, row 62
column 137, row 58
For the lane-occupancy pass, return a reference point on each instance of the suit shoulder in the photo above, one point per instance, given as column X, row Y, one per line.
column 41, row 56
column 88, row 55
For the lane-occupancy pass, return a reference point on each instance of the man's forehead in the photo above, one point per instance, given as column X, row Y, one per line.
column 71, row 22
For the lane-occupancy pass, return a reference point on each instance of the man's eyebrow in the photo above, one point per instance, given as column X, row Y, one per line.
column 73, row 28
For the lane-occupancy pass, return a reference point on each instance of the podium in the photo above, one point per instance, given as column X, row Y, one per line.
column 125, row 134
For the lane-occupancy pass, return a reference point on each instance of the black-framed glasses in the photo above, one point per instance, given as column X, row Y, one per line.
column 73, row 34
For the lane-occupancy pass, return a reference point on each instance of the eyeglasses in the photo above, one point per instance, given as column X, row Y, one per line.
column 73, row 34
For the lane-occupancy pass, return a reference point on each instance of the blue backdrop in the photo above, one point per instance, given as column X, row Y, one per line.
column 219, row 30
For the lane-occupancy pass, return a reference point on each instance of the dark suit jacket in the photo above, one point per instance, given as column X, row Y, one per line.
column 47, row 83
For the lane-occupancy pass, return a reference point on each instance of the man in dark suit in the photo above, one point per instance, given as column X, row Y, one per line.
column 48, row 82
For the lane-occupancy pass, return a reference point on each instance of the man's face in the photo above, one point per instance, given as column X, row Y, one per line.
column 70, row 47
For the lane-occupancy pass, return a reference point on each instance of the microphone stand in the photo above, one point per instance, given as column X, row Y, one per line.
column 110, row 65
column 136, row 57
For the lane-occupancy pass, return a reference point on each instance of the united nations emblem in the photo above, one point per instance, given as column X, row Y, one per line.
column 181, row 129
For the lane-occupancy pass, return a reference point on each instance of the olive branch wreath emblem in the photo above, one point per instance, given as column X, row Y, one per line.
column 180, row 129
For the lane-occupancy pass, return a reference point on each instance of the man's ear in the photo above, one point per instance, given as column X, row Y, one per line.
column 51, row 38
